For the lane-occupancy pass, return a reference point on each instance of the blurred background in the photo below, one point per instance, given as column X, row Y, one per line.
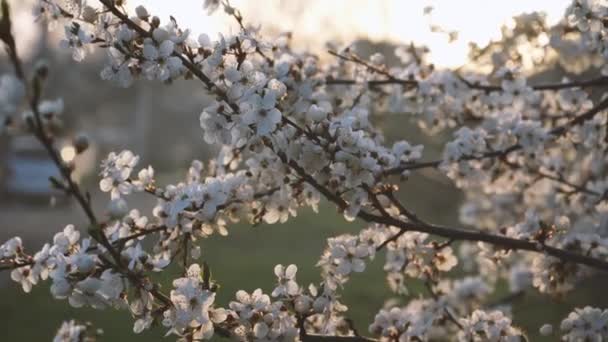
column 160, row 124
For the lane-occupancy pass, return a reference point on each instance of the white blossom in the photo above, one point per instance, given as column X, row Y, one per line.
column 76, row 39
column 588, row 324
column 287, row 284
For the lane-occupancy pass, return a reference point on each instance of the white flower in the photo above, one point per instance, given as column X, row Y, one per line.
column 160, row 63
column 11, row 248
column 77, row 40
column 83, row 259
column 250, row 304
column 145, row 178
column 467, row 143
column 355, row 201
column 287, row 284
column 136, row 255
column 116, row 169
column 445, row 260
column 411, row 323
column 138, row 259
column 544, row 268
column 343, row 256
column 279, row 209
column 261, row 112
column 517, row 93
column 70, row 331
column 527, row 229
column 405, row 152
column 25, row 277
column 204, row 41
column 492, row 326
column 85, row 292
column 61, row 287
column 142, row 324
column 573, row 99
column 43, row 262
column 213, row 195
column 191, row 305
column 215, row 126
column 119, row 70
column 349, row 256
column 316, row 113
column 530, row 135
column 111, row 287
column 64, row 241
column 586, row 324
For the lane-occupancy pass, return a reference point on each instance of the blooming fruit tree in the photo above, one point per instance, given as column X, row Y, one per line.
column 294, row 129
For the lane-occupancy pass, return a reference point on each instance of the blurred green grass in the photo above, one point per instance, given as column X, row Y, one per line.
column 245, row 260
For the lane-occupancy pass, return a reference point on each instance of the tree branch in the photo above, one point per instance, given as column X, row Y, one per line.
column 454, row 233
column 557, row 131
column 601, row 81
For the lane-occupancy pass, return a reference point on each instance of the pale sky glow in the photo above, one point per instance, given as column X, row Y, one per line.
column 316, row 21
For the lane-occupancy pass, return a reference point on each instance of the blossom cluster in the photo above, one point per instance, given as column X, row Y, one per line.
column 588, row 323
column 292, row 130
column 73, row 331
column 489, row 326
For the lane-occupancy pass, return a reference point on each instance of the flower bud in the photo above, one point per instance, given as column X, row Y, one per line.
column 160, row 35
column 89, row 14
column 302, row 304
column 320, row 304
column 42, row 69
column 377, row 59
column 546, row 330
column 316, row 113
column 81, row 143
column 142, row 13
column 155, row 21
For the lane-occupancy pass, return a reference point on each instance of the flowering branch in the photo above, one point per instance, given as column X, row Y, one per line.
column 289, row 137
column 601, row 81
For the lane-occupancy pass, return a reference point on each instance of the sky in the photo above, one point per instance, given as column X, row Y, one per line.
column 315, row 22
